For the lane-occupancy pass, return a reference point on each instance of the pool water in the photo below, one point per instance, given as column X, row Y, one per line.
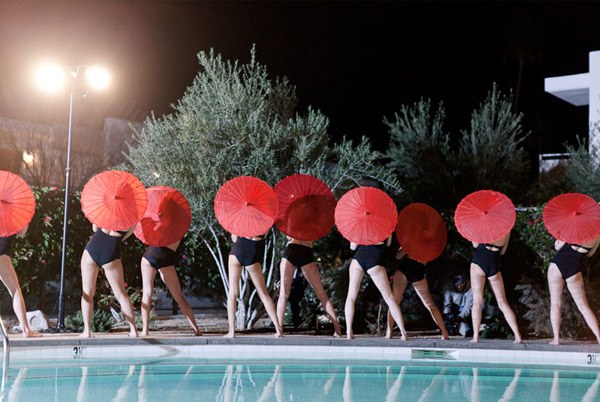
column 189, row 381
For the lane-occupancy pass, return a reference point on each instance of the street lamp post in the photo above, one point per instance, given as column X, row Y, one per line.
column 53, row 78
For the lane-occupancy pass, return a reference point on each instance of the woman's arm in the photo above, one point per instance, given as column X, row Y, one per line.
column 353, row 245
column 234, row 238
column 558, row 244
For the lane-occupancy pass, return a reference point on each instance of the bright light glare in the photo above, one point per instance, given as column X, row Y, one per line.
column 97, row 77
column 27, row 158
column 51, row 78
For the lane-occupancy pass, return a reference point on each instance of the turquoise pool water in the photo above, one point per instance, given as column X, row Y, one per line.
column 198, row 381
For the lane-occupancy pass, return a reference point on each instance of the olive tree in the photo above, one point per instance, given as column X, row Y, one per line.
column 235, row 120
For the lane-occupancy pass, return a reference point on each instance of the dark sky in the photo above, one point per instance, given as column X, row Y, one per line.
column 355, row 61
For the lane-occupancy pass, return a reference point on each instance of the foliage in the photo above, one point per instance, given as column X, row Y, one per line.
column 419, row 152
column 530, row 228
column 102, row 321
column 488, row 155
column 583, row 169
column 233, row 121
column 37, row 256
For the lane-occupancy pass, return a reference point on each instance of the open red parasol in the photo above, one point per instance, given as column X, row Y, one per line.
column 17, row 203
column 306, row 207
column 366, row 215
column 485, row 216
column 421, row 232
column 166, row 219
column 114, row 200
column 246, row 206
column 572, row 218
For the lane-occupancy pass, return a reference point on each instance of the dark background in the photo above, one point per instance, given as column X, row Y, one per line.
column 355, row 61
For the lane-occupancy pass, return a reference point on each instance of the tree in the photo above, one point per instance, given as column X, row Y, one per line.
column 419, row 152
column 232, row 121
column 582, row 172
column 490, row 154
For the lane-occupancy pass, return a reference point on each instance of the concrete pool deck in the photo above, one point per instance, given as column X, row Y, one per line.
column 312, row 347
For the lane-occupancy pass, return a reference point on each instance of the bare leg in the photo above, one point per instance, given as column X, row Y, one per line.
column 89, row 275
column 380, row 279
column 398, row 289
column 422, row 289
column 258, row 279
column 148, row 275
column 170, row 278
column 11, row 281
column 356, row 274
column 313, row 276
column 477, row 285
column 114, row 274
column 555, row 284
column 576, row 288
column 286, row 271
column 235, row 272
column 497, row 284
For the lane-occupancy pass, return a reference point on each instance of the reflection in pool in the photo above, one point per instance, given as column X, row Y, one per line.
column 191, row 381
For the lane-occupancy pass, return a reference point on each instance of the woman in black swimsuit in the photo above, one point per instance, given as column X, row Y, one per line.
column 485, row 265
column 565, row 267
column 249, row 253
column 162, row 259
column 8, row 275
column 413, row 272
column 370, row 259
column 299, row 254
column 103, row 250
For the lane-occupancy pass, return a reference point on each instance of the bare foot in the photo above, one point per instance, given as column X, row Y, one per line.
column 350, row 335
column 31, row 334
column 197, row 332
column 143, row 333
column 518, row 341
column 85, row 335
column 133, row 334
column 337, row 334
column 403, row 337
column 474, row 340
column 278, row 335
column 229, row 335
column 388, row 334
column 445, row 337
column 554, row 342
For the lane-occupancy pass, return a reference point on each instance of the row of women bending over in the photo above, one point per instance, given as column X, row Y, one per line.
column 103, row 252
column 564, row 268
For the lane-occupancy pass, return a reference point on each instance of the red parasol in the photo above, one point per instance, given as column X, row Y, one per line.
column 572, row 218
column 421, row 232
column 246, row 206
column 366, row 215
column 166, row 219
column 114, row 200
column 306, row 207
column 17, row 203
column 485, row 216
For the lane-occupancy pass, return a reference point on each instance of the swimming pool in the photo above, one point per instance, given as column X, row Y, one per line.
column 198, row 380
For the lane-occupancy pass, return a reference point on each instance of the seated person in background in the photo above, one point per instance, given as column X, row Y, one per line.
column 458, row 301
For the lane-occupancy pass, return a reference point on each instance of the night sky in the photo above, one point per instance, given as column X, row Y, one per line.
column 355, row 61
